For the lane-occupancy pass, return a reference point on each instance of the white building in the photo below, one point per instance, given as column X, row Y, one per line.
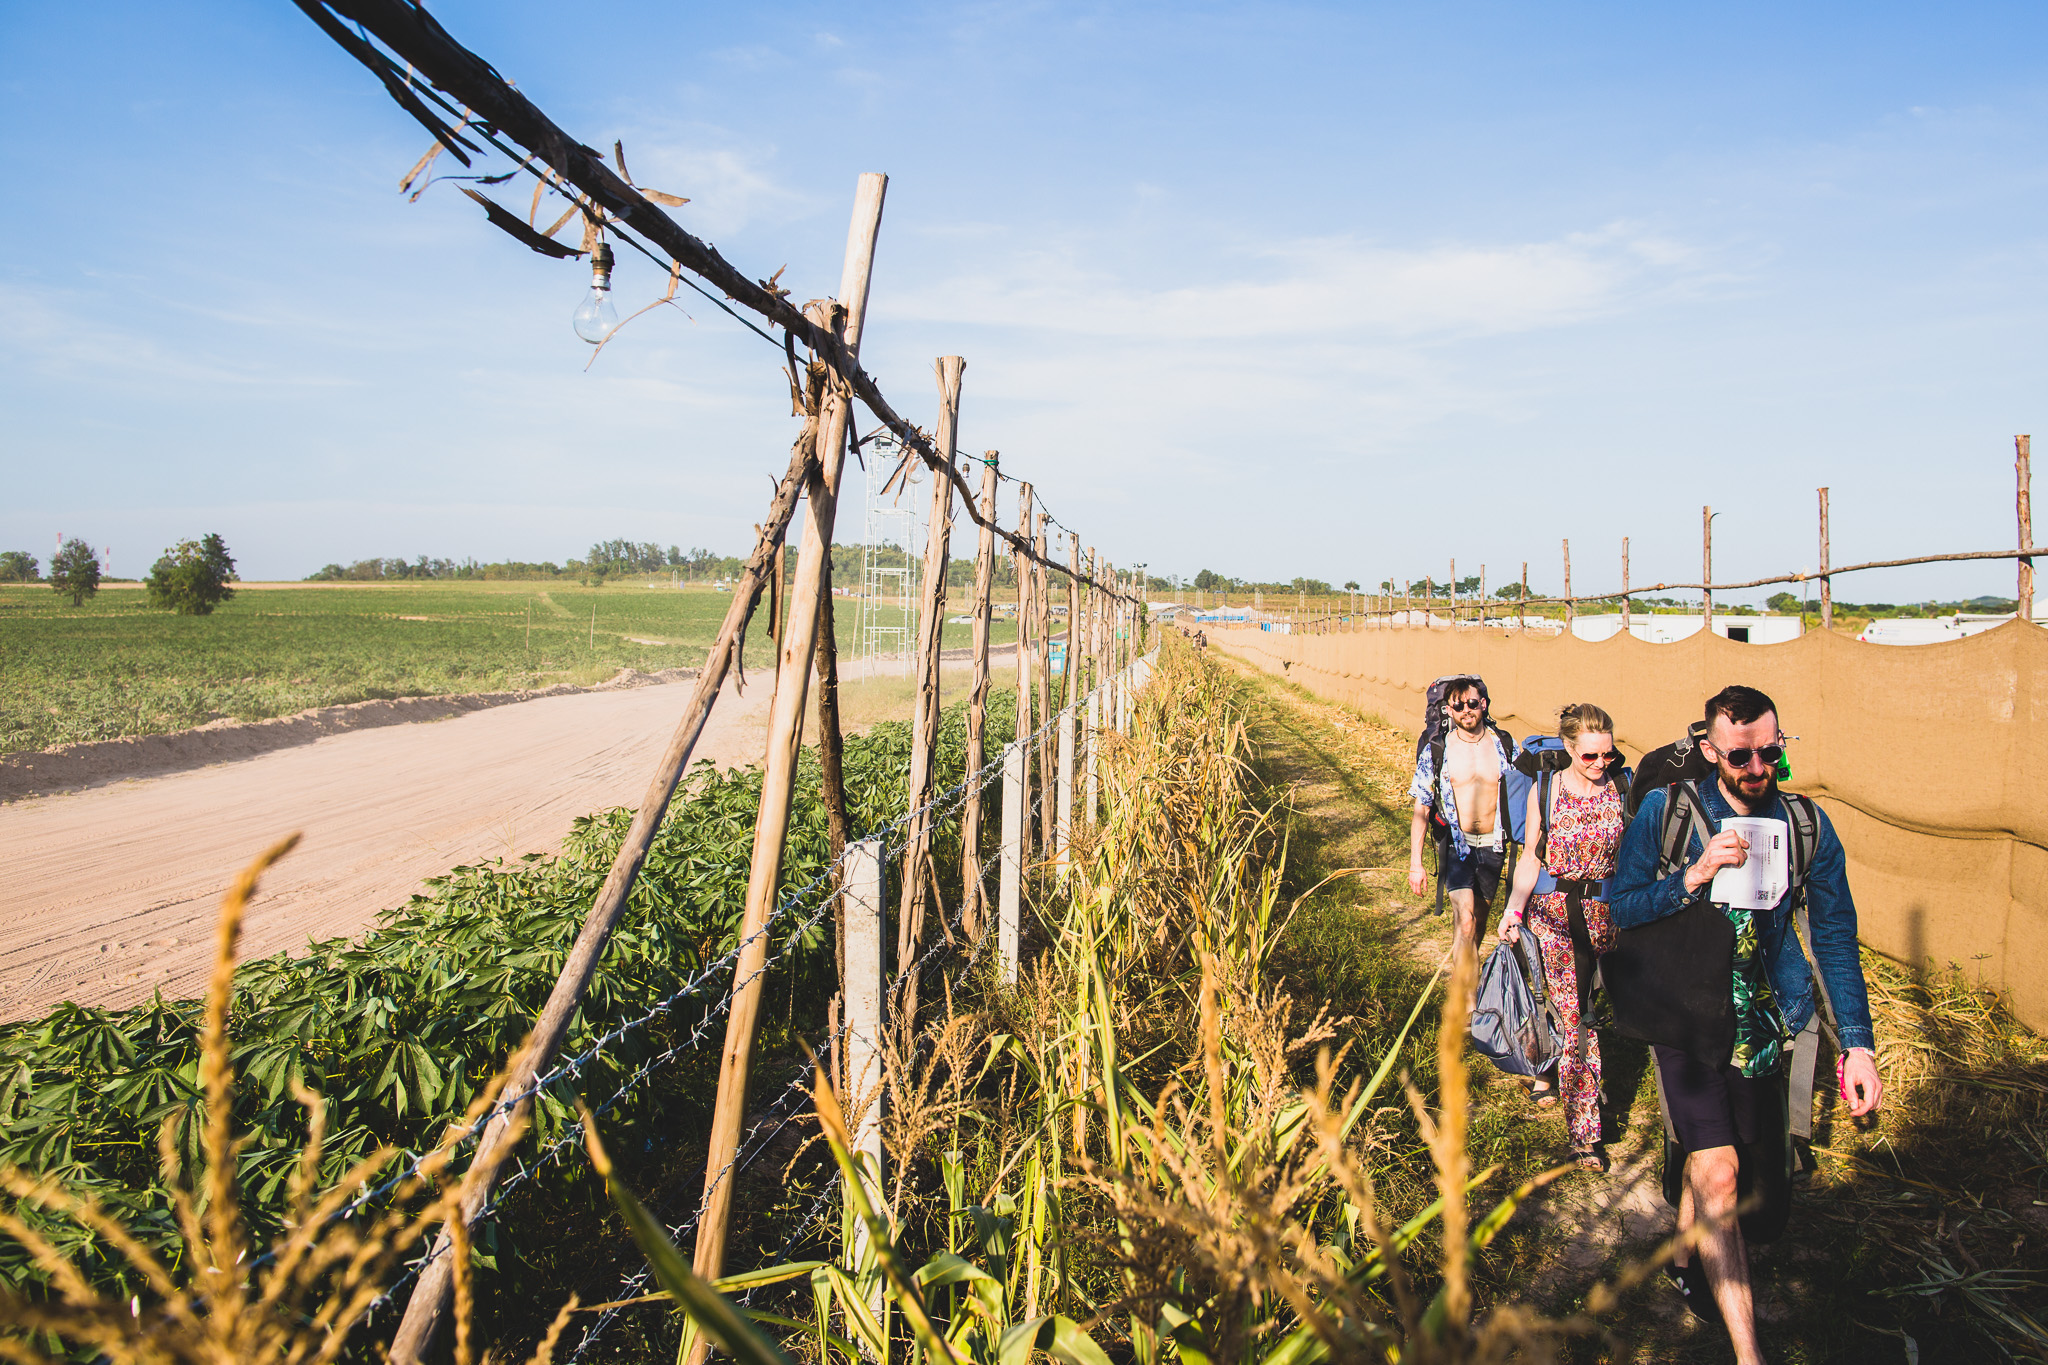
column 1664, row 630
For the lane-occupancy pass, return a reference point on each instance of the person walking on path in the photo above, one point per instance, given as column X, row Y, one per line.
column 1569, row 916
column 1467, row 795
column 1713, row 1107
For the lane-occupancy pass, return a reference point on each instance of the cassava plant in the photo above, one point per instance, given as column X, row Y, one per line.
column 213, row 1305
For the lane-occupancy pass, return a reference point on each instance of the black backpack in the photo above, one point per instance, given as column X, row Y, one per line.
column 1681, row 761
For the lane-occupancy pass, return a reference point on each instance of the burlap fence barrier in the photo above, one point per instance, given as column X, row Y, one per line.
column 1929, row 759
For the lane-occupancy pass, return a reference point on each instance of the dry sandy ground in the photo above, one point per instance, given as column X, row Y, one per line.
column 110, row 892
column 113, row 880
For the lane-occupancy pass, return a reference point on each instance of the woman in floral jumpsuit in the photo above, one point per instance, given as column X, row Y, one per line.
column 1571, row 922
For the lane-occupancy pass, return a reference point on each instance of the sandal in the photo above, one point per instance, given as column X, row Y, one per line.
column 1591, row 1159
column 1544, row 1093
column 1690, row 1280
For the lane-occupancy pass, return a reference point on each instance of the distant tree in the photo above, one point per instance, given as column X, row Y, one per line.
column 17, row 566
column 75, row 571
column 1511, row 590
column 1351, row 585
column 1208, row 580
column 192, row 577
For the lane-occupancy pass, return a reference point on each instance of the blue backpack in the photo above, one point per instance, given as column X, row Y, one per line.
column 1537, row 762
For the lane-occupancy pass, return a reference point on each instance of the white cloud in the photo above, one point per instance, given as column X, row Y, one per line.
column 1332, row 286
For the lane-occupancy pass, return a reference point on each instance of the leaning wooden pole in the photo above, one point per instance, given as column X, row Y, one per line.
column 1707, row 570
column 1570, row 603
column 785, row 725
column 971, row 887
column 428, row 1305
column 1624, row 585
column 916, row 891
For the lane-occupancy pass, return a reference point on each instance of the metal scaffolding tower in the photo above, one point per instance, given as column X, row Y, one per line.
column 892, row 559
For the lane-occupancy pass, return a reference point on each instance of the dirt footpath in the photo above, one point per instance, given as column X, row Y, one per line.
column 111, row 892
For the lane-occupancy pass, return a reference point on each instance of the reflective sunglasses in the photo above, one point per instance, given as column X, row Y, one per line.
column 1603, row 759
column 1472, row 705
column 1740, row 758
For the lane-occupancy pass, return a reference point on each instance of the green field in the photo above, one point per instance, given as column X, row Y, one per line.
column 114, row 667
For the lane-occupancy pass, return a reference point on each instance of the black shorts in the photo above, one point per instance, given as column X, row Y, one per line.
column 1478, row 872
column 1709, row 1106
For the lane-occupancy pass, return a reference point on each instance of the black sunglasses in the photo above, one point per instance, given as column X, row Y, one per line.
column 1740, row 758
column 1472, row 705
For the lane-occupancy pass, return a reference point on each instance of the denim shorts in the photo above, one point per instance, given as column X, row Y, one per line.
column 1478, row 872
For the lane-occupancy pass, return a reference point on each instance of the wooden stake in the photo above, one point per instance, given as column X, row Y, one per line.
column 1453, row 594
column 2023, row 468
column 1707, row 569
column 785, row 732
column 1074, row 621
column 831, row 745
column 1827, row 583
column 1522, row 612
column 1571, row 606
column 971, row 889
column 924, row 716
column 429, row 1301
column 1624, row 585
column 1022, row 565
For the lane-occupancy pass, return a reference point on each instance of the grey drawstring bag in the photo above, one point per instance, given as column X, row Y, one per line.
column 1507, row 1023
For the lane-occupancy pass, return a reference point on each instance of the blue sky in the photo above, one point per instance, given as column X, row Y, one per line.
column 1342, row 291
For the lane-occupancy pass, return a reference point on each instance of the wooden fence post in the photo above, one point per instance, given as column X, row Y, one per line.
column 1624, row 585
column 429, row 1301
column 1016, row 825
column 1571, row 606
column 1707, row 569
column 1827, row 584
column 785, row 734
column 1454, row 594
column 1522, row 612
column 1482, row 595
column 2023, row 468
column 919, row 889
column 972, row 891
column 1025, row 661
column 1071, row 679
column 862, row 989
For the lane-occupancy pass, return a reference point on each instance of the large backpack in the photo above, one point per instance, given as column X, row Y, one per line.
column 1680, row 761
column 1539, row 760
column 1436, row 722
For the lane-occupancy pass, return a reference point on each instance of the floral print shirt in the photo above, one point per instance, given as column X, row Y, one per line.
column 1430, row 789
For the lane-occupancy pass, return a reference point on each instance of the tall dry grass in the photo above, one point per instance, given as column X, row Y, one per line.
column 301, row 1303
column 1147, row 1149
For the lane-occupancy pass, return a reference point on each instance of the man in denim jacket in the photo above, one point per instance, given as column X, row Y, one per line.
column 1714, row 1109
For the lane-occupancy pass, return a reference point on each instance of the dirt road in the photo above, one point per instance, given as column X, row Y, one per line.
column 111, row 892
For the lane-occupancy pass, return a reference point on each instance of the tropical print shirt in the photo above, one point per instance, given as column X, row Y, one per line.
column 1430, row 789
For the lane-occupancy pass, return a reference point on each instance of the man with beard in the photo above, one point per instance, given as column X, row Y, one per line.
column 1467, row 793
column 1713, row 1109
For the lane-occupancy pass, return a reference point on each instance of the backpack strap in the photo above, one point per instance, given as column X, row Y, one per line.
column 1804, row 817
column 1543, row 814
column 1684, row 816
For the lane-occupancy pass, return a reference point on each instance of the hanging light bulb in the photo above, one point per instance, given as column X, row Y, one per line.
column 596, row 319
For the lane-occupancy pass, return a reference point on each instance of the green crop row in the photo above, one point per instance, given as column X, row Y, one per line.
column 114, row 668
column 398, row 1029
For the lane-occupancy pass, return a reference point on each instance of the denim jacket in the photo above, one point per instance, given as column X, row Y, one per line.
column 1639, row 897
